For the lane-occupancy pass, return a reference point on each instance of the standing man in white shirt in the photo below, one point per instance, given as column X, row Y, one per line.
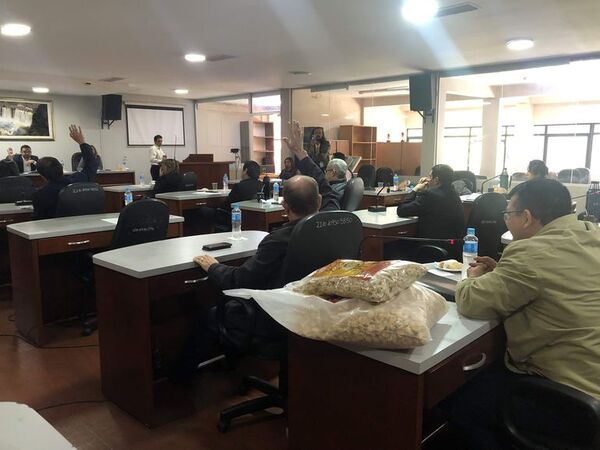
column 156, row 156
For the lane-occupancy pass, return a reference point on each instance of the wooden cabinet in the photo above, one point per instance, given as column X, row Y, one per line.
column 361, row 141
column 402, row 157
column 257, row 140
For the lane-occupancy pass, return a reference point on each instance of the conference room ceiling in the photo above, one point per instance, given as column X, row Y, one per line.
column 143, row 41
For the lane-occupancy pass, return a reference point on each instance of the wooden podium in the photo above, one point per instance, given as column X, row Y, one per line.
column 207, row 170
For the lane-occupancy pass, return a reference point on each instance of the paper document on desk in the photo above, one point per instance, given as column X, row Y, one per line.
column 112, row 220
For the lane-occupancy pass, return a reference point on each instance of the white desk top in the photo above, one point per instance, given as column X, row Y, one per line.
column 133, row 187
column 384, row 193
column 174, row 255
column 192, row 195
column 70, row 172
column 11, row 208
column 452, row 333
column 66, row 226
column 383, row 220
column 268, row 206
column 471, row 197
column 21, row 427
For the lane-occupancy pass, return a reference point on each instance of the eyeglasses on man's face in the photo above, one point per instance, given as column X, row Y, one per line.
column 506, row 214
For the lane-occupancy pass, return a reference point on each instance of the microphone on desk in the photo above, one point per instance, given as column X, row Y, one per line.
column 504, row 182
column 378, row 208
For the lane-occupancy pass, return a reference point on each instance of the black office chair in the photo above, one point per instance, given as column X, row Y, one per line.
column 353, row 194
column 384, row 175
column 468, row 177
column 315, row 242
column 582, row 175
column 367, row 173
column 189, row 181
column 80, row 199
column 266, row 188
column 574, row 416
column 566, row 176
column 75, row 160
column 16, row 188
column 517, row 176
column 139, row 222
column 487, row 219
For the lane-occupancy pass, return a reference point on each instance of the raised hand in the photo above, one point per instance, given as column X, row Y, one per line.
column 76, row 134
column 294, row 142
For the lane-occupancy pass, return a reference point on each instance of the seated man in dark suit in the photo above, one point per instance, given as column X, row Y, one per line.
column 169, row 179
column 26, row 162
column 262, row 271
column 437, row 205
column 46, row 198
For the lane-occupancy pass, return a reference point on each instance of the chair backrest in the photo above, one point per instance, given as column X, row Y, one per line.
column 189, row 181
column 487, row 219
column 367, row 173
column 353, row 194
column 75, row 160
column 143, row 221
column 13, row 189
column 320, row 239
column 468, row 177
column 384, row 175
column 582, row 175
column 566, row 175
column 80, row 199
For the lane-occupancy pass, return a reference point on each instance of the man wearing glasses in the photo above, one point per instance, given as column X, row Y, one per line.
column 545, row 289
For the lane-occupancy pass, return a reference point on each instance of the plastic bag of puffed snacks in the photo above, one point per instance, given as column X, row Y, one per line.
column 371, row 281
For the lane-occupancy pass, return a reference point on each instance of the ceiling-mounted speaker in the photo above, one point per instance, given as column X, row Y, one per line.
column 111, row 107
column 422, row 92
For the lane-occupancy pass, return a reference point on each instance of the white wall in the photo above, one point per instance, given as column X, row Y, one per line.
column 111, row 144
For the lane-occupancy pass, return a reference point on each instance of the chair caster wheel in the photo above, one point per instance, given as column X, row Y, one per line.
column 223, row 426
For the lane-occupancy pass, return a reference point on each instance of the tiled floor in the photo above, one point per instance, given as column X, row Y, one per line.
column 46, row 377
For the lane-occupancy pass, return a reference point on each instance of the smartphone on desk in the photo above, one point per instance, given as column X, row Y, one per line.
column 216, row 246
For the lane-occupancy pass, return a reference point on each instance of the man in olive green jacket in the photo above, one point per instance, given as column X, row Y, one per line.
column 546, row 289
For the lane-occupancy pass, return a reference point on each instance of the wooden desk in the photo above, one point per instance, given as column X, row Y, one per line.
column 356, row 399
column 378, row 226
column 103, row 178
column 43, row 254
column 9, row 214
column 262, row 216
column 392, row 198
column 147, row 297
column 114, row 195
column 183, row 203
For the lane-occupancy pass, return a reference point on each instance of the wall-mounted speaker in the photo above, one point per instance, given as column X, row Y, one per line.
column 422, row 92
column 111, row 107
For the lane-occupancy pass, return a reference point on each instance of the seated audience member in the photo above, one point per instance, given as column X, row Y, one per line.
column 308, row 167
column 46, row 198
column 536, row 169
column 25, row 161
column 545, row 290
column 169, row 178
column 264, row 270
column 437, row 205
column 289, row 170
column 336, row 177
column 98, row 160
column 8, row 168
column 340, row 155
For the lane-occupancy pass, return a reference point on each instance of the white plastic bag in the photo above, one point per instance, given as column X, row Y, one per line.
column 403, row 322
column 371, row 281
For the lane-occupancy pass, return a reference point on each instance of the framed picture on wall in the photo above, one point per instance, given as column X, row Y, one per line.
column 26, row 120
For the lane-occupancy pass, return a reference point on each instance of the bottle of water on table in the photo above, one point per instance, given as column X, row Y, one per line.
column 142, row 180
column 128, row 197
column 236, row 222
column 396, row 181
column 225, row 182
column 470, row 248
column 276, row 193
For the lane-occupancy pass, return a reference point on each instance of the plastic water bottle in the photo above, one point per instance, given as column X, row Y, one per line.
column 396, row 181
column 236, row 222
column 124, row 163
column 142, row 180
column 470, row 247
column 225, row 182
column 128, row 197
column 276, row 193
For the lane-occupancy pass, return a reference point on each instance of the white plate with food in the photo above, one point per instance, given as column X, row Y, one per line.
column 450, row 265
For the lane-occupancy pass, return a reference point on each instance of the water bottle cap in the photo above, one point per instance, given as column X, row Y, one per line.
column 470, row 231
column 235, row 205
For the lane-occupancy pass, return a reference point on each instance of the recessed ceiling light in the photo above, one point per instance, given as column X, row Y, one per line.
column 195, row 57
column 40, row 90
column 519, row 44
column 15, row 29
column 181, row 91
column 419, row 11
